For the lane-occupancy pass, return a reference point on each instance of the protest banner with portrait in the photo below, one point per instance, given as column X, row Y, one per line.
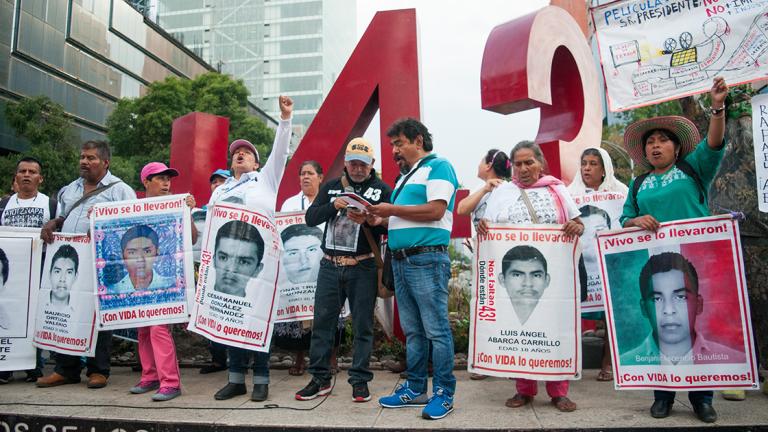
column 525, row 308
column 66, row 305
column 20, row 255
column 654, row 51
column 677, row 307
column 302, row 253
column 599, row 211
column 237, row 288
column 143, row 256
column 760, row 134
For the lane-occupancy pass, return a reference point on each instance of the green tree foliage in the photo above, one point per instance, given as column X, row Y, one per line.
column 139, row 130
column 49, row 131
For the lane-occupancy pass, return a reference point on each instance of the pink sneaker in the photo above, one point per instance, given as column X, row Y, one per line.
column 166, row 394
column 145, row 386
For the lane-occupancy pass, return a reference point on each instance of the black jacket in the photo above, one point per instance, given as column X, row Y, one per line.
column 322, row 210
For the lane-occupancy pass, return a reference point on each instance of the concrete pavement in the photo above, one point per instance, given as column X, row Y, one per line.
column 479, row 406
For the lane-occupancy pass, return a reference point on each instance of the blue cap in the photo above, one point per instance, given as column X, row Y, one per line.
column 220, row 173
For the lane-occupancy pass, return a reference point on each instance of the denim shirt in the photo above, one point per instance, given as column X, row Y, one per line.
column 77, row 222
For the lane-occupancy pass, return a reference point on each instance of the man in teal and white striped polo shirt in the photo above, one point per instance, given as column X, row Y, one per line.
column 420, row 221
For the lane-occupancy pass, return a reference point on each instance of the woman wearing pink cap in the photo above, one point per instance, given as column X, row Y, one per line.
column 157, row 352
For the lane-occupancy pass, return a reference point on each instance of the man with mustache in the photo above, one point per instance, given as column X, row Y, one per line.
column 347, row 271
column 254, row 189
column 95, row 185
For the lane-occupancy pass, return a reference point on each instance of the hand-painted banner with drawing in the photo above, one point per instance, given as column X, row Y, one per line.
column 678, row 313
column 20, row 255
column 525, row 319
column 656, row 50
column 236, row 297
column 143, row 255
column 301, row 261
column 66, row 305
column 599, row 211
column 760, row 134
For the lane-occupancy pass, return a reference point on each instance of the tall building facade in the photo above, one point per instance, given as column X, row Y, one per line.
column 84, row 55
column 292, row 47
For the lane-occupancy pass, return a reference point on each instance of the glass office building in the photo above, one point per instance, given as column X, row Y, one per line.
column 84, row 55
column 292, row 47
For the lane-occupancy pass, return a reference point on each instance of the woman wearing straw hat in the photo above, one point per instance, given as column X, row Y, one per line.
column 675, row 187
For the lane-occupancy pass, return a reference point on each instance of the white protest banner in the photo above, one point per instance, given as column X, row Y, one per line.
column 66, row 305
column 237, row 293
column 760, row 139
column 301, row 261
column 599, row 211
column 678, row 313
column 143, row 256
column 525, row 310
column 20, row 254
column 656, row 50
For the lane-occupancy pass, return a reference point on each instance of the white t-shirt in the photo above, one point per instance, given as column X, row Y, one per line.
column 27, row 213
column 297, row 202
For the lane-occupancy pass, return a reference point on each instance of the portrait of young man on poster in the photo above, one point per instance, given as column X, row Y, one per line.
column 524, row 276
column 237, row 256
column 140, row 247
column 302, row 253
column 672, row 303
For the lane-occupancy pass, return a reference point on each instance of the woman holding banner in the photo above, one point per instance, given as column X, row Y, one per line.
column 534, row 198
column 296, row 335
column 679, row 173
column 157, row 351
column 596, row 175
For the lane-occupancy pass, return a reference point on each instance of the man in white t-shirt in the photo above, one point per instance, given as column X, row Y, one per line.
column 27, row 208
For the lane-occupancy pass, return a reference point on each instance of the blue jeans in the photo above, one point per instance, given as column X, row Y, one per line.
column 694, row 396
column 238, row 365
column 421, row 290
column 334, row 285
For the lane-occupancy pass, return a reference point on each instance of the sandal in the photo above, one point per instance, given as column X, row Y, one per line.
column 296, row 370
column 563, row 404
column 518, row 400
column 477, row 377
column 605, row 375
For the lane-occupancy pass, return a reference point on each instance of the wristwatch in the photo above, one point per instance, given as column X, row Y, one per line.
column 716, row 111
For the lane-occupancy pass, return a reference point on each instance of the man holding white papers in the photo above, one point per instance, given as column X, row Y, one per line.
column 347, row 271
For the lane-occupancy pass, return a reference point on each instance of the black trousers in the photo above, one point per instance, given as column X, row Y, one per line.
column 70, row 366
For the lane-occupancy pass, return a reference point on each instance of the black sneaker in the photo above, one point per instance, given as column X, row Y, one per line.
column 313, row 390
column 360, row 392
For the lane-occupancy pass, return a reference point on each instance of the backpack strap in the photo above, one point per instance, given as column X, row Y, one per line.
column 688, row 170
column 3, row 205
column 52, row 206
column 636, row 188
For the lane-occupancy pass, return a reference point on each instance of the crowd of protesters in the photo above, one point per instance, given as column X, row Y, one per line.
column 416, row 215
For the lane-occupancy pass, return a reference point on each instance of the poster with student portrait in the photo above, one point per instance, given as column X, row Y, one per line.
column 237, row 288
column 20, row 255
column 66, row 306
column 599, row 211
column 677, row 307
column 302, row 253
column 144, row 273
column 525, row 309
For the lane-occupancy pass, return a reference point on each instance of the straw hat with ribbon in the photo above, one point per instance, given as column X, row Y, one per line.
column 681, row 127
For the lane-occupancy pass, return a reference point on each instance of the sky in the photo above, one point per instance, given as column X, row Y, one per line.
column 452, row 36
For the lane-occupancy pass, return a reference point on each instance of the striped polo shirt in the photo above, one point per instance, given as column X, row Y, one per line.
column 434, row 180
